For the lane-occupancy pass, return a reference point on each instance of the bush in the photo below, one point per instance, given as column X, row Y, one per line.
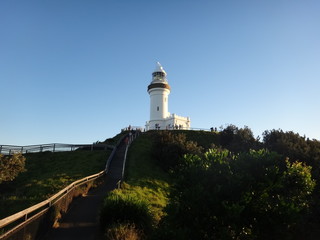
column 169, row 148
column 123, row 209
column 254, row 195
column 10, row 167
column 238, row 139
column 123, row 232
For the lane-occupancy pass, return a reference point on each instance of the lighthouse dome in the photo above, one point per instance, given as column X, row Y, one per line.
column 159, row 68
column 159, row 79
column 159, row 75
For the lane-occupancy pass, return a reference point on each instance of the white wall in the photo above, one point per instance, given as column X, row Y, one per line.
column 159, row 103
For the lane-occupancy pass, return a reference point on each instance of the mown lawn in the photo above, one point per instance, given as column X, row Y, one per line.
column 47, row 173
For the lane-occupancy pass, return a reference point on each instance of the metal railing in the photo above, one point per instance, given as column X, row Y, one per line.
column 11, row 226
column 131, row 138
column 51, row 147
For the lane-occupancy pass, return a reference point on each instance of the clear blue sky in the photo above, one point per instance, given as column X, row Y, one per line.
column 77, row 71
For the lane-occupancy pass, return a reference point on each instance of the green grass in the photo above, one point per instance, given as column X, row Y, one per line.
column 115, row 139
column 144, row 178
column 124, row 209
column 46, row 174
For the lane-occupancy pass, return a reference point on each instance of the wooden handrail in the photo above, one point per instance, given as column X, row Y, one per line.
column 50, row 201
column 31, row 212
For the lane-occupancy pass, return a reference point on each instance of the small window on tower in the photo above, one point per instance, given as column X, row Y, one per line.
column 157, row 108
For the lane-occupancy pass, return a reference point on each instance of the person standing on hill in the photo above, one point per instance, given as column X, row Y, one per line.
column 126, row 140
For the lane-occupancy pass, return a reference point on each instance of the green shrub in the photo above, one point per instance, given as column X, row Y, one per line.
column 123, row 232
column 254, row 195
column 168, row 148
column 151, row 191
column 125, row 209
column 11, row 166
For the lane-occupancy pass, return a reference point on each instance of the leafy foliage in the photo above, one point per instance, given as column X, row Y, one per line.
column 204, row 139
column 238, row 139
column 169, row 148
column 11, row 166
column 233, row 190
column 295, row 147
column 247, row 196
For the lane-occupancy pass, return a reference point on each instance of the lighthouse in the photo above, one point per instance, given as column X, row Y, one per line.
column 160, row 118
column 159, row 91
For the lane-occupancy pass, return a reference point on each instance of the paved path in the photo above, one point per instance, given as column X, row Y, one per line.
column 82, row 219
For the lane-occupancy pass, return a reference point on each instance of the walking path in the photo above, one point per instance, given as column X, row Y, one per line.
column 82, row 219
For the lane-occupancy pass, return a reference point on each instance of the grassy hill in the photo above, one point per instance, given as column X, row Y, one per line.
column 243, row 188
column 145, row 178
column 47, row 173
column 229, row 187
column 144, row 175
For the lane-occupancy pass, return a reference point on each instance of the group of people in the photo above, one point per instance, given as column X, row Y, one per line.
column 130, row 128
column 169, row 127
column 133, row 133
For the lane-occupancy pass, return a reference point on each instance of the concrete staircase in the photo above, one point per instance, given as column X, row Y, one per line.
column 82, row 219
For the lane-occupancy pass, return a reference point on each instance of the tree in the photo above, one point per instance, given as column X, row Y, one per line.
column 289, row 144
column 238, row 139
column 11, row 166
column 253, row 195
column 295, row 147
column 169, row 148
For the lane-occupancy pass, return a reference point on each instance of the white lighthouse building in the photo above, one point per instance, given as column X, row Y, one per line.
column 159, row 91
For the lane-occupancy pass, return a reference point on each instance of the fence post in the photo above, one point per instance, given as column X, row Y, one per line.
column 21, row 150
column 0, row 149
column 54, row 147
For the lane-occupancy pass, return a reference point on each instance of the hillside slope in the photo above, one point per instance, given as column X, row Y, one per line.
column 237, row 190
column 47, row 173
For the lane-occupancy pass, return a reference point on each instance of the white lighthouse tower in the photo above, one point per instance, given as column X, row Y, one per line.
column 159, row 91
